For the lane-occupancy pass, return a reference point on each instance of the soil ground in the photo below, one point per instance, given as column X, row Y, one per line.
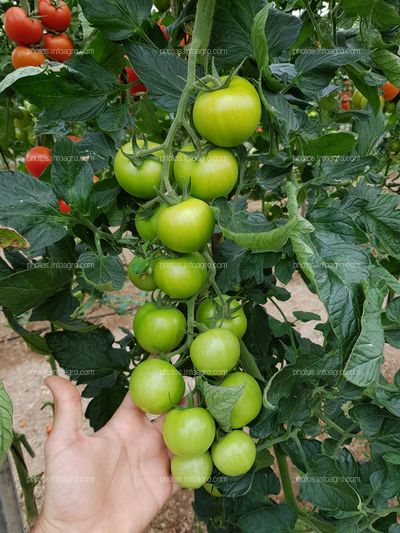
column 23, row 371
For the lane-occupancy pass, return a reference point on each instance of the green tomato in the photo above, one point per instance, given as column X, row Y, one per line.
column 209, row 313
column 249, row 404
column 181, row 277
column 211, row 489
column 146, row 226
column 234, row 454
column 143, row 180
column 192, row 472
column 186, row 227
column 144, row 281
column 215, row 352
column 209, row 177
column 228, row 117
column 156, row 386
column 188, row 432
column 158, row 330
column 359, row 101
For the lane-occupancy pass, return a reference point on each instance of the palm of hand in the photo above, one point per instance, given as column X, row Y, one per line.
column 115, row 480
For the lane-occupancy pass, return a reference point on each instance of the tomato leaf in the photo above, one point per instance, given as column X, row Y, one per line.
column 6, row 422
column 280, row 518
column 104, row 273
column 23, row 290
column 9, row 238
column 163, row 73
column 330, row 491
column 119, row 19
column 31, row 208
column 252, row 230
column 33, row 340
column 220, row 402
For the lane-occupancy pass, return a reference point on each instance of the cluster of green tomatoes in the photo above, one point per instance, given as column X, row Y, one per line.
column 176, row 237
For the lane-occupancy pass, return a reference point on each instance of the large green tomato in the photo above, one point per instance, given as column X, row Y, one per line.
column 209, row 313
column 156, row 386
column 147, row 226
column 249, row 404
column 181, row 277
column 215, row 352
column 188, row 432
column 228, row 117
column 186, row 227
column 145, row 280
column 234, row 454
column 192, row 472
column 210, row 176
column 143, row 180
column 158, row 330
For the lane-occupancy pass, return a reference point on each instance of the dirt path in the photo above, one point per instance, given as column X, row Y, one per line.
column 23, row 373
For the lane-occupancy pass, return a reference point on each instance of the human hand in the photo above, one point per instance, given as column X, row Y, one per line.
column 115, row 480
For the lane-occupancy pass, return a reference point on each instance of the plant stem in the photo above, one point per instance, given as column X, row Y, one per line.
column 201, row 36
column 285, row 479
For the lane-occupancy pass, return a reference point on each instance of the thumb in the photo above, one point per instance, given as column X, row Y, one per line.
column 68, row 408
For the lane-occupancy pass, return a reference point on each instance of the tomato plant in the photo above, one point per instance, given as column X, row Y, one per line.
column 156, row 386
column 188, row 432
column 249, row 190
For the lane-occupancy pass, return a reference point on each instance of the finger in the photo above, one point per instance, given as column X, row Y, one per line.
column 68, row 408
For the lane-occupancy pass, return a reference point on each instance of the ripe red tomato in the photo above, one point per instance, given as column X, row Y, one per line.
column 389, row 91
column 345, row 105
column 54, row 16
column 64, row 207
column 20, row 28
column 58, row 47
column 132, row 77
column 37, row 160
column 74, row 138
column 22, row 56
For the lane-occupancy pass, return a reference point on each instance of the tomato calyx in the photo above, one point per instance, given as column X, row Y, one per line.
column 140, row 153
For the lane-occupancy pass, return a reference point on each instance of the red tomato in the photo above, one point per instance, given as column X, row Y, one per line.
column 56, row 17
column 64, row 207
column 20, row 28
column 74, row 138
column 132, row 77
column 184, row 41
column 389, row 91
column 22, row 56
column 58, row 47
column 37, row 160
column 345, row 105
